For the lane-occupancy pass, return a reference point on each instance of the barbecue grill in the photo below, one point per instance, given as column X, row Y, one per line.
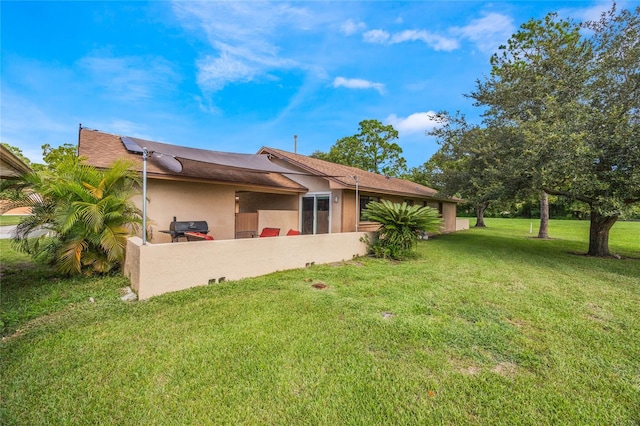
column 178, row 228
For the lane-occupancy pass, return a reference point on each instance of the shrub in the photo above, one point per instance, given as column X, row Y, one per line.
column 87, row 212
column 400, row 227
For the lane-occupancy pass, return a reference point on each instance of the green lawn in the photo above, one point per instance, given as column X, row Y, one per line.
column 486, row 326
column 10, row 219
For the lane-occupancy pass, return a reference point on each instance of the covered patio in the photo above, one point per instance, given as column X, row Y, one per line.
column 156, row 269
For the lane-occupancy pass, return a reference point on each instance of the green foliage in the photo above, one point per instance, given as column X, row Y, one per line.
column 400, row 227
column 470, row 163
column 64, row 153
column 87, row 212
column 573, row 97
column 371, row 149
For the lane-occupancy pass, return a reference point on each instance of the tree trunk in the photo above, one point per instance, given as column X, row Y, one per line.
column 599, row 234
column 544, row 215
column 480, row 208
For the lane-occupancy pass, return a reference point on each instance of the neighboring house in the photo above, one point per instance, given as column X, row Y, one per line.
column 12, row 167
column 240, row 194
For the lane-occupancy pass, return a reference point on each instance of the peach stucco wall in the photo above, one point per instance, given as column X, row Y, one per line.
column 283, row 219
column 156, row 269
column 190, row 201
column 449, row 216
column 462, row 224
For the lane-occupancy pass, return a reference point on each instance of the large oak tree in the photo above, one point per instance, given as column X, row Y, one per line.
column 471, row 163
column 573, row 92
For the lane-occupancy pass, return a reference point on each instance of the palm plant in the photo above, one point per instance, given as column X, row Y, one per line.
column 400, row 226
column 88, row 213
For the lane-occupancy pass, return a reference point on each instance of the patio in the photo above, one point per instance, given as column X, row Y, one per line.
column 156, row 269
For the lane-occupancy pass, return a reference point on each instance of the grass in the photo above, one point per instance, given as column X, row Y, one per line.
column 6, row 220
column 486, row 326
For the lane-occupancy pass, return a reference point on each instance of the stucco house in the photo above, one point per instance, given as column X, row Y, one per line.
column 240, row 194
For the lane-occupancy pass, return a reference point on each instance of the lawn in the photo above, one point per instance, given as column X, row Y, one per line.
column 486, row 326
column 10, row 219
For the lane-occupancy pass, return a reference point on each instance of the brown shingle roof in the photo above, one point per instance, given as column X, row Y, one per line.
column 101, row 149
column 344, row 176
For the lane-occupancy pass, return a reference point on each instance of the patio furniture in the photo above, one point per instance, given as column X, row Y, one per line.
column 177, row 228
column 293, row 232
column 197, row 236
column 270, row 232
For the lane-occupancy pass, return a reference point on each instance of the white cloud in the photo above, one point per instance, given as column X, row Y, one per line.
column 356, row 83
column 435, row 41
column 418, row 122
column 488, row 32
column 214, row 72
column 130, row 78
column 592, row 13
column 350, row 27
column 376, row 36
column 244, row 36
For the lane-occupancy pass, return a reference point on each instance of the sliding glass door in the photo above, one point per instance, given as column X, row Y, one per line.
column 315, row 214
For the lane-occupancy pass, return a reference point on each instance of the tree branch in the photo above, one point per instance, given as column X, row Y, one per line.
column 582, row 198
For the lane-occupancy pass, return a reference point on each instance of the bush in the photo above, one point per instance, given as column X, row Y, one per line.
column 400, row 227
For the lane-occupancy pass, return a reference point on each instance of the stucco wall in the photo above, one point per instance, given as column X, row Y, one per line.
column 250, row 202
column 462, row 224
column 282, row 219
column 189, row 201
column 156, row 269
column 449, row 216
column 336, row 211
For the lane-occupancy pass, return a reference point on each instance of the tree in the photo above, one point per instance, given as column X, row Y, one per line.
column 576, row 101
column 88, row 213
column 370, row 149
column 63, row 153
column 470, row 165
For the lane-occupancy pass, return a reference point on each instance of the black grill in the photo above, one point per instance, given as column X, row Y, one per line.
column 178, row 228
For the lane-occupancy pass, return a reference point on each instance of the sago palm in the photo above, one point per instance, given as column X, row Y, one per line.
column 401, row 225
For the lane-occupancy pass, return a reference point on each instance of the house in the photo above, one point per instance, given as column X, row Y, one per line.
column 240, row 194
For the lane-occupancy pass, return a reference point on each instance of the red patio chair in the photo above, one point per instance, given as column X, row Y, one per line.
column 270, row 232
column 293, row 232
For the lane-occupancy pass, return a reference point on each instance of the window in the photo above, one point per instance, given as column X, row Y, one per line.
column 438, row 206
column 364, row 200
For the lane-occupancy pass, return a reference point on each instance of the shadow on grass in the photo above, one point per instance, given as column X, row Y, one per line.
column 489, row 243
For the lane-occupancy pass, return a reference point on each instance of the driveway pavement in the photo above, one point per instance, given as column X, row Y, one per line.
column 6, row 232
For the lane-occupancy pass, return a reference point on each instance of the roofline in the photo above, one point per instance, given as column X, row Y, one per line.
column 12, row 160
column 174, row 178
column 353, row 186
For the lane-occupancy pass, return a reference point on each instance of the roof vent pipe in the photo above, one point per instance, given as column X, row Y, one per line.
column 295, row 144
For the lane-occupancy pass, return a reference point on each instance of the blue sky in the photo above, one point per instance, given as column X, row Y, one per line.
column 236, row 76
